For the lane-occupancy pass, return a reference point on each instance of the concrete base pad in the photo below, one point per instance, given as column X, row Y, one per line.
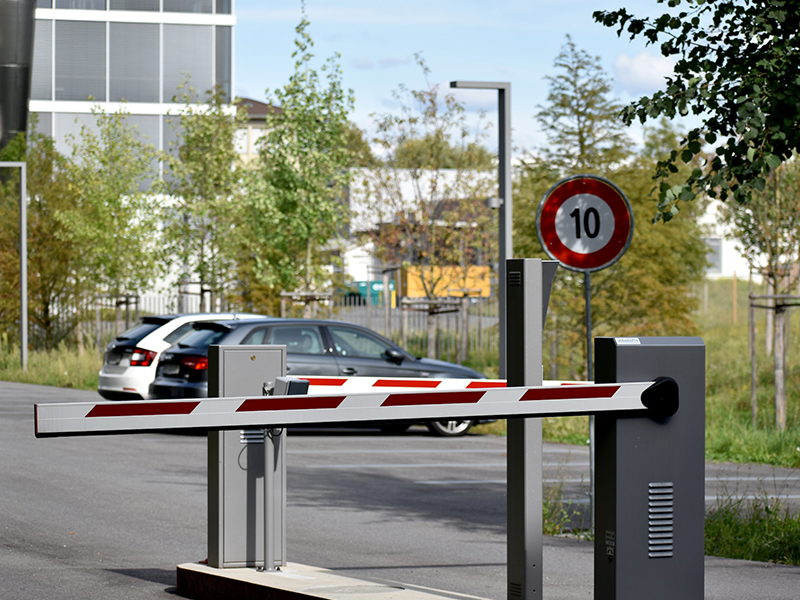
column 293, row 582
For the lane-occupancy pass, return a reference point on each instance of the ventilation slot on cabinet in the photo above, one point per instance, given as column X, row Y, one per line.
column 515, row 589
column 251, row 436
column 661, row 509
column 515, row 278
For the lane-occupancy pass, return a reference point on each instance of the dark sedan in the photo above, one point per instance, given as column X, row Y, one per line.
column 314, row 347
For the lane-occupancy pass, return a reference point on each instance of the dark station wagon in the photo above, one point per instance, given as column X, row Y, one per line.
column 314, row 347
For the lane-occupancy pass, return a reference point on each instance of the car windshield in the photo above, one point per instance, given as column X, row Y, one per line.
column 202, row 338
column 138, row 332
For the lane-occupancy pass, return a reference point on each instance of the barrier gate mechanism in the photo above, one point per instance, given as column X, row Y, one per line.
column 246, row 511
column 650, row 458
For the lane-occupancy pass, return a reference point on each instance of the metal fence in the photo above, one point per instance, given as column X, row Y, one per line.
column 97, row 321
column 457, row 328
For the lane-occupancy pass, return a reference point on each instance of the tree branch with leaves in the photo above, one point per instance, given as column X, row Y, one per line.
column 737, row 69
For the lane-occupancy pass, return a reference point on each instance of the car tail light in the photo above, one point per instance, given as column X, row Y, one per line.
column 195, row 363
column 142, row 358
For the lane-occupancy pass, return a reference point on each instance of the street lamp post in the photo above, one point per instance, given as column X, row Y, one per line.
column 524, row 440
column 504, row 183
column 23, row 261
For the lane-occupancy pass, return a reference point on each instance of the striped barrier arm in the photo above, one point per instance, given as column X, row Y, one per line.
column 94, row 418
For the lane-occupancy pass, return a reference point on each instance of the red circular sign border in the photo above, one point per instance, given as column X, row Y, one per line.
column 620, row 208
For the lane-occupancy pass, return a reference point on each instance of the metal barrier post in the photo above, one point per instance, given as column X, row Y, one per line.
column 275, row 482
column 527, row 295
column 236, row 459
column 649, row 508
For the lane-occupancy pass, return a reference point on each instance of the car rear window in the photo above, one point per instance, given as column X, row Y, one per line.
column 180, row 333
column 202, row 338
column 136, row 333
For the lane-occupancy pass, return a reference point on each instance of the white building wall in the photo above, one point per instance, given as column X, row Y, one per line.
column 726, row 259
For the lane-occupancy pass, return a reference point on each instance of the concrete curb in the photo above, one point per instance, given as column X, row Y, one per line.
column 293, row 582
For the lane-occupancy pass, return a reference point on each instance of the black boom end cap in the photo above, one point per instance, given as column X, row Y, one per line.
column 661, row 398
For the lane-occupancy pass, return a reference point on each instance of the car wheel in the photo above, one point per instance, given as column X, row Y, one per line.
column 394, row 428
column 449, row 428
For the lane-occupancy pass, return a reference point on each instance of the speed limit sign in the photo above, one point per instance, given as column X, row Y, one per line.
column 585, row 222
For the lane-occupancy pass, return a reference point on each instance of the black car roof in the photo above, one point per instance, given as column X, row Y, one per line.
column 231, row 323
column 157, row 320
column 234, row 323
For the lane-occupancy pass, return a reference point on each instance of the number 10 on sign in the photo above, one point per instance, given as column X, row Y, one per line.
column 585, row 222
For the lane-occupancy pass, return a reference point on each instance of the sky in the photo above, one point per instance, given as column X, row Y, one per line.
column 502, row 40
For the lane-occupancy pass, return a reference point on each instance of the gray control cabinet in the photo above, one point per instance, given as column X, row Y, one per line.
column 236, row 462
column 650, row 487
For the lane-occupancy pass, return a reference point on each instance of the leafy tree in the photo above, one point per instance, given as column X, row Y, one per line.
column 433, row 151
column 642, row 294
column 52, row 256
column 737, row 65
column 583, row 132
column 361, row 155
column 116, row 219
column 424, row 206
column 767, row 229
column 204, row 182
column 296, row 191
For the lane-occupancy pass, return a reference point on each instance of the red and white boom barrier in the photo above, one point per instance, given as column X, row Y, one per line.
column 91, row 418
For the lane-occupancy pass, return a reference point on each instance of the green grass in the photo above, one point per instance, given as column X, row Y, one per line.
column 61, row 367
column 762, row 529
column 730, row 434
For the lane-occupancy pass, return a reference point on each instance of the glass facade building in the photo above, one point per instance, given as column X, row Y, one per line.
column 126, row 53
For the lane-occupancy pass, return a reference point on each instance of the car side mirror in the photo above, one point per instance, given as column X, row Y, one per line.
column 395, row 356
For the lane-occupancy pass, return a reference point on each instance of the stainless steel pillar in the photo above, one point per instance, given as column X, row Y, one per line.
column 528, row 287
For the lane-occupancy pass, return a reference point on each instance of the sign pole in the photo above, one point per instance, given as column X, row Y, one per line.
column 587, row 291
column 585, row 222
column 587, row 294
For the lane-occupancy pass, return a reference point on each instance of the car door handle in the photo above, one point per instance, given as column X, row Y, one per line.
column 349, row 371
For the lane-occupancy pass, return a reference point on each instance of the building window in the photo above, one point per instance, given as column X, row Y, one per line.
column 171, row 142
column 44, row 124
column 190, row 6
column 224, row 35
column 44, row 3
column 147, row 126
column 151, row 5
column 80, row 60
column 187, row 52
column 42, row 72
column 82, row 4
column 223, row 7
column 133, row 71
column 71, row 124
column 714, row 255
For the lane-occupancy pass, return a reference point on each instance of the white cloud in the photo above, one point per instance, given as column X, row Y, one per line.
column 388, row 63
column 362, row 63
column 643, row 73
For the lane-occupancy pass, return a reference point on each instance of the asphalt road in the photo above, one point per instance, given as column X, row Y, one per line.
column 111, row 517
